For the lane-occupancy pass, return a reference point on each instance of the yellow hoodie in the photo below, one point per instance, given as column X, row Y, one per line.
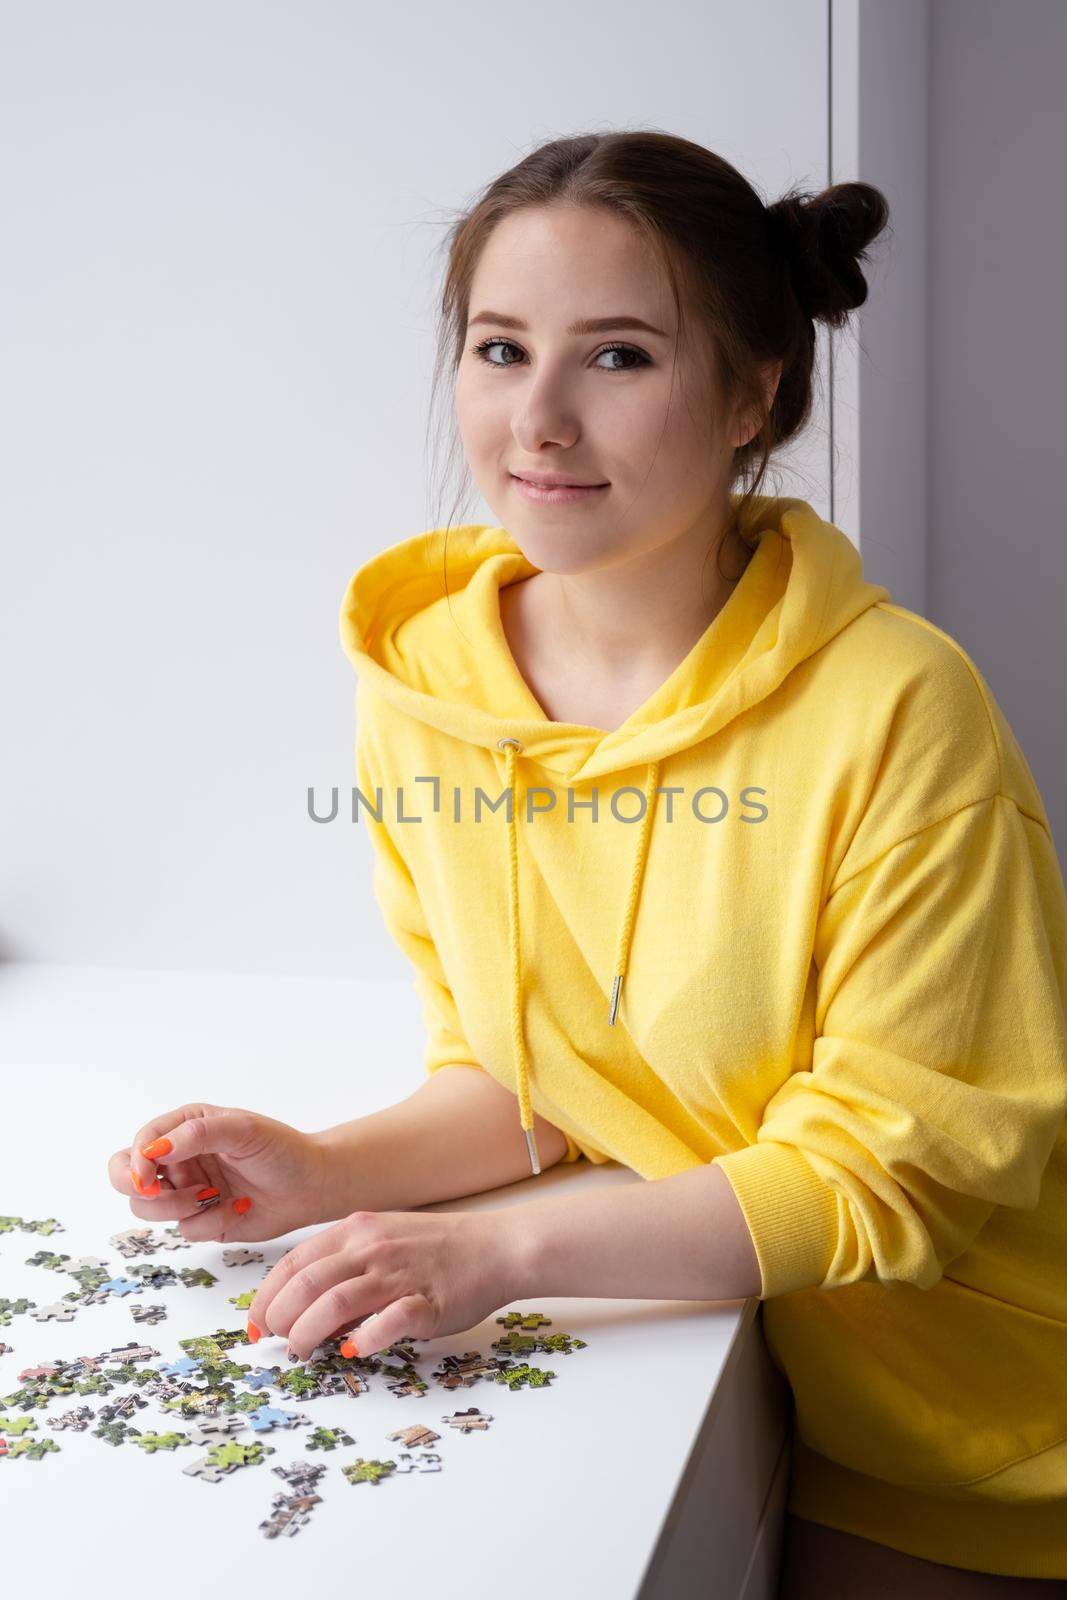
column 801, row 916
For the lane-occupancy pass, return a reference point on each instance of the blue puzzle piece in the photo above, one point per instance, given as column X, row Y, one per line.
column 123, row 1286
column 260, row 1377
column 265, row 1418
column 179, row 1369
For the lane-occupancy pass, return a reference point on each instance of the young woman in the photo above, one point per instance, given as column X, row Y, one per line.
column 732, row 871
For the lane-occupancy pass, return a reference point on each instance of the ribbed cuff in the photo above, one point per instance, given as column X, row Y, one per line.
column 791, row 1213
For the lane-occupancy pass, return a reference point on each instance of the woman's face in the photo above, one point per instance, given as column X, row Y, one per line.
column 543, row 399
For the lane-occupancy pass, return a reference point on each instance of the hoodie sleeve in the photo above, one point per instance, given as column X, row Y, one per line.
column 398, row 900
column 938, row 1080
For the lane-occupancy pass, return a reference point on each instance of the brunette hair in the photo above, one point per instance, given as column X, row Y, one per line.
column 756, row 277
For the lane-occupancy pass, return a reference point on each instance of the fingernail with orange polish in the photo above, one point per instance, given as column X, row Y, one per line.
column 158, row 1147
column 206, row 1194
column 135, row 1179
column 349, row 1347
column 242, row 1205
column 253, row 1332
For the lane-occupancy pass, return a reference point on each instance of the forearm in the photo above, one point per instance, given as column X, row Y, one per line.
column 458, row 1134
column 678, row 1238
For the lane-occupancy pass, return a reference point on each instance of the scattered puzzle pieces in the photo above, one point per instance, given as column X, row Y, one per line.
column 223, row 1397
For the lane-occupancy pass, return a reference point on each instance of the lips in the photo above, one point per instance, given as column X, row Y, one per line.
column 557, row 483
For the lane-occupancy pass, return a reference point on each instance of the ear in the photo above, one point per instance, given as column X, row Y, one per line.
column 748, row 422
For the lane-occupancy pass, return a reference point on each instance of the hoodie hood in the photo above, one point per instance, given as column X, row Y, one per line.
column 444, row 660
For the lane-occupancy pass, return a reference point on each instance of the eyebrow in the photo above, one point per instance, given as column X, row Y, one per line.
column 584, row 324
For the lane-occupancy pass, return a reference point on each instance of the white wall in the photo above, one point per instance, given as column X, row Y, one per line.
column 219, row 279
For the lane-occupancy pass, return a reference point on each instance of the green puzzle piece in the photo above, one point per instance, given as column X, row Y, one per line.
column 33, row 1449
column 327, row 1439
column 16, row 1425
column 362, row 1471
column 515, row 1377
column 151, row 1442
column 232, row 1454
column 16, row 1308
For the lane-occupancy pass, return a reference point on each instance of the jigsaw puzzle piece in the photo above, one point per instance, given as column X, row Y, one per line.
column 428, row 1461
column 362, row 1471
column 58, row 1312
column 241, row 1256
column 266, row 1418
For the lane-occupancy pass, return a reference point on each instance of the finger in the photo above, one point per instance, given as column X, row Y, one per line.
column 123, row 1179
column 214, row 1132
column 221, row 1220
column 184, row 1175
column 173, row 1204
column 323, row 1299
column 409, row 1317
column 159, row 1128
column 118, row 1172
column 319, row 1245
column 187, row 1175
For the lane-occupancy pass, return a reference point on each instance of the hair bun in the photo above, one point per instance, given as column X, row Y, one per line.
column 822, row 238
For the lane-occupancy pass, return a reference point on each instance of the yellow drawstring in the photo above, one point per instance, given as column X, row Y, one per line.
column 622, row 959
column 522, row 1073
column 511, row 747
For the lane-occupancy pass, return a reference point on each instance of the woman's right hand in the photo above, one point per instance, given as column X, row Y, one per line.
column 268, row 1177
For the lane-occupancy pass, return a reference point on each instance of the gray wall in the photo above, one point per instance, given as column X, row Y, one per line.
column 997, row 230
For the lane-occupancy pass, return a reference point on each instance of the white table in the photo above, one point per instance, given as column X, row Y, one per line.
column 655, row 1465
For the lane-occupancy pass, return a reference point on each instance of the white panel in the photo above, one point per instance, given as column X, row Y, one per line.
column 221, row 235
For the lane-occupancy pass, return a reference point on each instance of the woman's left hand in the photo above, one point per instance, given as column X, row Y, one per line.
column 410, row 1273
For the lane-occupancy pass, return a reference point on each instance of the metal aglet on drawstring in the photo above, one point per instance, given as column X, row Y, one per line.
column 532, row 1149
column 616, row 988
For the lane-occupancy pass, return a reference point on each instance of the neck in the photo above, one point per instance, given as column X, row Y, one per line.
column 647, row 612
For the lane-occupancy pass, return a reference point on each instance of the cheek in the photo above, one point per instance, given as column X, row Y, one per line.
column 480, row 418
